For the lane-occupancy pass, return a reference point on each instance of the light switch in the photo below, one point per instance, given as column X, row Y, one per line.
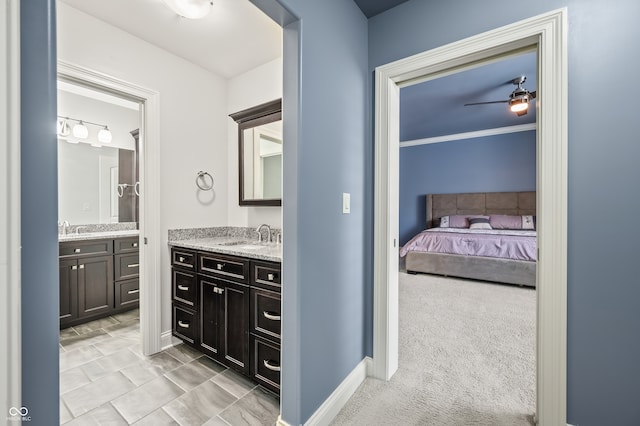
column 346, row 203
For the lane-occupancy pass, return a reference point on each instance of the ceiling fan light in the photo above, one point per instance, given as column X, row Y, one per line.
column 192, row 9
column 519, row 104
column 104, row 135
column 80, row 131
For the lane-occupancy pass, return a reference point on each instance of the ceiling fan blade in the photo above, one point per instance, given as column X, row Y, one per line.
column 484, row 103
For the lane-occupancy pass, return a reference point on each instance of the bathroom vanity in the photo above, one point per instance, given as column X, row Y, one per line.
column 226, row 303
column 99, row 275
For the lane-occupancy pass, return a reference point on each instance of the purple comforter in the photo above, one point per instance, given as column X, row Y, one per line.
column 506, row 244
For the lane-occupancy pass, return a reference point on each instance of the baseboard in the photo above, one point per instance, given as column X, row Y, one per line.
column 332, row 405
column 167, row 340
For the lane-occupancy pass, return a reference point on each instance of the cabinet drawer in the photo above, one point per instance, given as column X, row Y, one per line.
column 127, row 293
column 185, row 287
column 235, row 268
column 265, row 363
column 265, row 313
column 183, row 258
column 126, row 245
column 266, row 275
column 185, row 324
column 127, row 266
column 86, row 248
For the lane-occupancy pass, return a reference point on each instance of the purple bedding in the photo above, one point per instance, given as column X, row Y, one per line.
column 506, row 244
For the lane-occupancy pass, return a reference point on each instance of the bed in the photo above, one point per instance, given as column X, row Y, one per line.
column 503, row 255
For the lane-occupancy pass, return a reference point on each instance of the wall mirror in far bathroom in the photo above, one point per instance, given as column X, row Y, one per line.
column 260, row 154
column 97, row 171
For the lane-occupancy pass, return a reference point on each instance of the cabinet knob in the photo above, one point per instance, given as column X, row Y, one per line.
column 181, row 259
column 74, row 267
column 76, row 250
column 134, row 245
column 270, row 365
column 81, row 266
column 271, row 277
column 271, row 316
column 219, row 266
column 183, row 324
column 218, row 290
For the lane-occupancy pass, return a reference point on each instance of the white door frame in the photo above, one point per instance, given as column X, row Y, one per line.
column 10, row 261
column 150, row 272
column 547, row 32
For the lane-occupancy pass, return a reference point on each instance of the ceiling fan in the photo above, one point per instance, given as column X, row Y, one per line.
column 518, row 99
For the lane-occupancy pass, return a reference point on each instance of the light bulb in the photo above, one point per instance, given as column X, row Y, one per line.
column 104, row 135
column 80, row 131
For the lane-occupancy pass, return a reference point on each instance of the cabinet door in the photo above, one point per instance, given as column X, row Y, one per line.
column 211, row 315
column 236, row 326
column 95, row 285
column 68, row 291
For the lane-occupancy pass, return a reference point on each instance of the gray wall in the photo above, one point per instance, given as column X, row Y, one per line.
column 39, row 204
column 603, row 290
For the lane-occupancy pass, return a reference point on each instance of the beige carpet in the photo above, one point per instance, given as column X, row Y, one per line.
column 467, row 357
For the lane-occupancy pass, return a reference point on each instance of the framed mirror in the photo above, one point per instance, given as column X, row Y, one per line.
column 260, row 154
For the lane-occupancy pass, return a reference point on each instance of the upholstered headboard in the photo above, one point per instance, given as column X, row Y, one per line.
column 484, row 203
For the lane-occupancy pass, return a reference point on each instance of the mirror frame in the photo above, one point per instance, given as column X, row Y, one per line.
column 246, row 119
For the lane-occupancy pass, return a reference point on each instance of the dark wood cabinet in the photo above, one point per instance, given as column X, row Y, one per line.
column 91, row 284
column 236, row 304
column 95, row 286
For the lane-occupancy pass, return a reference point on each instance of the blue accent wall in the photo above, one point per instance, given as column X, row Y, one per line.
column 603, row 292
column 39, row 205
column 490, row 164
column 326, row 321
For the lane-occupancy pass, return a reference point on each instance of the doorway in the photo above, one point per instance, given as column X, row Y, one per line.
column 546, row 33
column 148, row 154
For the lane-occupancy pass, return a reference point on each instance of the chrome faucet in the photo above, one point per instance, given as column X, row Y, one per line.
column 259, row 231
column 65, row 227
column 78, row 228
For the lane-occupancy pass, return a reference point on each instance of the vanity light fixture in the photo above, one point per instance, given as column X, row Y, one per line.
column 192, row 9
column 81, row 131
column 104, row 135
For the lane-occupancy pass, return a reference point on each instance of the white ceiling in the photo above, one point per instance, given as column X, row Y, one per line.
column 233, row 39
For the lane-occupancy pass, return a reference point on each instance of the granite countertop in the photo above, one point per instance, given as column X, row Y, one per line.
column 234, row 246
column 83, row 236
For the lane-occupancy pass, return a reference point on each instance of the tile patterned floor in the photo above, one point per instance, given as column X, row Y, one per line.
column 106, row 380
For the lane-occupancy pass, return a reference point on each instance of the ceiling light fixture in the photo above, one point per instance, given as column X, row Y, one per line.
column 192, row 9
column 81, row 131
column 519, row 103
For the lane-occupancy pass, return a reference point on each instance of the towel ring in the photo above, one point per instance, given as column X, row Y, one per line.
column 202, row 175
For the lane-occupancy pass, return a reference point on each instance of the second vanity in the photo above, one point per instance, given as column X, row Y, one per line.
column 226, row 303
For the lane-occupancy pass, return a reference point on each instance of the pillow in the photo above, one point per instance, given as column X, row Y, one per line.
column 454, row 221
column 503, row 221
column 481, row 222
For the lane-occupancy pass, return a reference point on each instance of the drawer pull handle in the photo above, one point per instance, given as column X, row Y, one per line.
column 183, row 287
column 74, row 267
column 133, row 265
column 271, row 277
column 76, row 250
column 134, row 245
column 81, row 266
column 218, row 290
column 183, row 324
column 219, row 266
column 271, row 316
column 181, row 259
column 133, row 291
column 273, row 367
